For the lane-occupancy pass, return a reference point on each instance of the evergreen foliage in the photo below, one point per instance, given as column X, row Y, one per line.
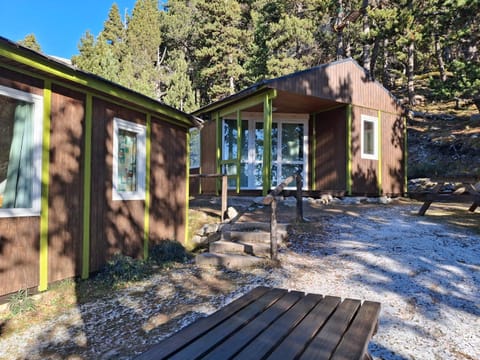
column 30, row 41
column 189, row 53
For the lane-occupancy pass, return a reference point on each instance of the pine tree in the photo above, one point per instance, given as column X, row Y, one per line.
column 30, row 41
column 143, row 44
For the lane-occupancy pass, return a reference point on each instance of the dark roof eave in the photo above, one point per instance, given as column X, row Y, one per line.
column 52, row 66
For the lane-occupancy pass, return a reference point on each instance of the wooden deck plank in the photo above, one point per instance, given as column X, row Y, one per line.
column 212, row 338
column 198, row 328
column 246, row 334
column 294, row 344
column 327, row 339
column 279, row 329
column 355, row 340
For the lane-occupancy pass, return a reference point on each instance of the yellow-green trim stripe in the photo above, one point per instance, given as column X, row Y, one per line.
column 87, row 186
column 218, row 142
column 239, row 151
column 313, row 150
column 146, row 219
column 187, row 190
column 45, row 179
column 348, row 178
column 64, row 72
column 380, row 164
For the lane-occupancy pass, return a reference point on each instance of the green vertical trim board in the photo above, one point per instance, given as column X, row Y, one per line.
column 187, row 190
column 314, row 149
column 239, row 150
column 405, row 155
column 348, row 178
column 267, row 143
column 87, row 186
column 45, row 179
column 146, row 218
column 219, row 144
column 380, row 164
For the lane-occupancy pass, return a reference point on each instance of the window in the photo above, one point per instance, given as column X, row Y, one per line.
column 369, row 137
column 194, row 148
column 21, row 120
column 129, row 156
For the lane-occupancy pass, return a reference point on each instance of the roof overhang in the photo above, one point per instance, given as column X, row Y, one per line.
column 15, row 55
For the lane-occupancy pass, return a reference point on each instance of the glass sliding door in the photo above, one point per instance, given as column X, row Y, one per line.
column 289, row 151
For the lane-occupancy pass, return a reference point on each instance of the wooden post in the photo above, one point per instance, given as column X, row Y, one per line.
column 300, row 219
column 224, row 196
column 273, row 230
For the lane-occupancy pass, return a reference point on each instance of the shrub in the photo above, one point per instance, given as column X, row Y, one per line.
column 168, row 251
column 20, row 302
column 121, row 269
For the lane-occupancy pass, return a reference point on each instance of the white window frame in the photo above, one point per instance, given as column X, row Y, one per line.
column 374, row 120
column 195, row 166
column 141, row 131
column 37, row 102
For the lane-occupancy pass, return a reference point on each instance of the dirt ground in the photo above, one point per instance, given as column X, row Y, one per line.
column 423, row 270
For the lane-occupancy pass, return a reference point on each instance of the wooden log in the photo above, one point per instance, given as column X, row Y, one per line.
column 224, row 196
column 299, row 199
column 273, row 230
column 268, row 199
column 424, row 208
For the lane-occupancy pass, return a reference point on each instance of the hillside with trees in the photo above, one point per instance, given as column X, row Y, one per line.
column 190, row 53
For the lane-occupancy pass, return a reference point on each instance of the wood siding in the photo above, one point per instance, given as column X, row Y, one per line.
column 330, row 151
column 208, row 156
column 393, row 154
column 168, row 183
column 365, row 172
column 19, row 237
column 66, row 171
column 116, row 226
column 342, row 81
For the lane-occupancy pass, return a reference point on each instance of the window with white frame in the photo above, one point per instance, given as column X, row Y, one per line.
column 369, row 141
column 194, row 148
column 21, row 122
column 129, row 160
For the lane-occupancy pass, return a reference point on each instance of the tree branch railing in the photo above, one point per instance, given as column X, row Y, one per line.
column 271, row 200
column 224, row 190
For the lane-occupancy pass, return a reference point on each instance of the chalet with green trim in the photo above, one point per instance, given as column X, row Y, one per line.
column 343, row 132
column 88, row 169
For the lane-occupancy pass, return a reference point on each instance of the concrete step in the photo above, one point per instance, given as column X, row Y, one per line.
column 252, row 236
column 254, row 226
column 256, row 249
column 231, row 261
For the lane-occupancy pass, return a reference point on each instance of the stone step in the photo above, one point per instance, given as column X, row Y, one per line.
column 252, row 236
column 231, row 261
column 256, row 249
column 254, row 226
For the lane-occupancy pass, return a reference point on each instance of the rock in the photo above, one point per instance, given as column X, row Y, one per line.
column 232, row 213
column 209, row 229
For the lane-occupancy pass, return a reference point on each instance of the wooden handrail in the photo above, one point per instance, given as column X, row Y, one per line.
column 271, row 200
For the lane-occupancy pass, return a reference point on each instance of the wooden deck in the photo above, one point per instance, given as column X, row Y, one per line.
column 276, row 324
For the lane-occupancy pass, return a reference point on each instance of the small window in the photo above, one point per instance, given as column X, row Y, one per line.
column 129, row 154
column 369, row 137
column 21, row 119
column 194, row 148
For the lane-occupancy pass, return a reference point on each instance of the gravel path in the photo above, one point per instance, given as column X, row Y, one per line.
column 425, row 274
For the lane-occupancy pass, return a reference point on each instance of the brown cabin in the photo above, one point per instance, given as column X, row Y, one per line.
column 88, row 169
column 343, row 132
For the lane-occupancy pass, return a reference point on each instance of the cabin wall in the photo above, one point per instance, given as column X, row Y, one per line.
column 330, row 150
column 208, row 154
column 168, row 183
column 19, row 236
column 393, row 154
column 365, row 172
column 115, row 226
column 65, row 220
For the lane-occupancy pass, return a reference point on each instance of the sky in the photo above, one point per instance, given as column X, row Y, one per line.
column 58, row 25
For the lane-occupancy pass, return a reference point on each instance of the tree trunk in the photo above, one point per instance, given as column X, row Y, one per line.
column 340, row 45
column 375, row 51
column 410, row 72
column 386, row 78
column 438, row 54
column 366, row 41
